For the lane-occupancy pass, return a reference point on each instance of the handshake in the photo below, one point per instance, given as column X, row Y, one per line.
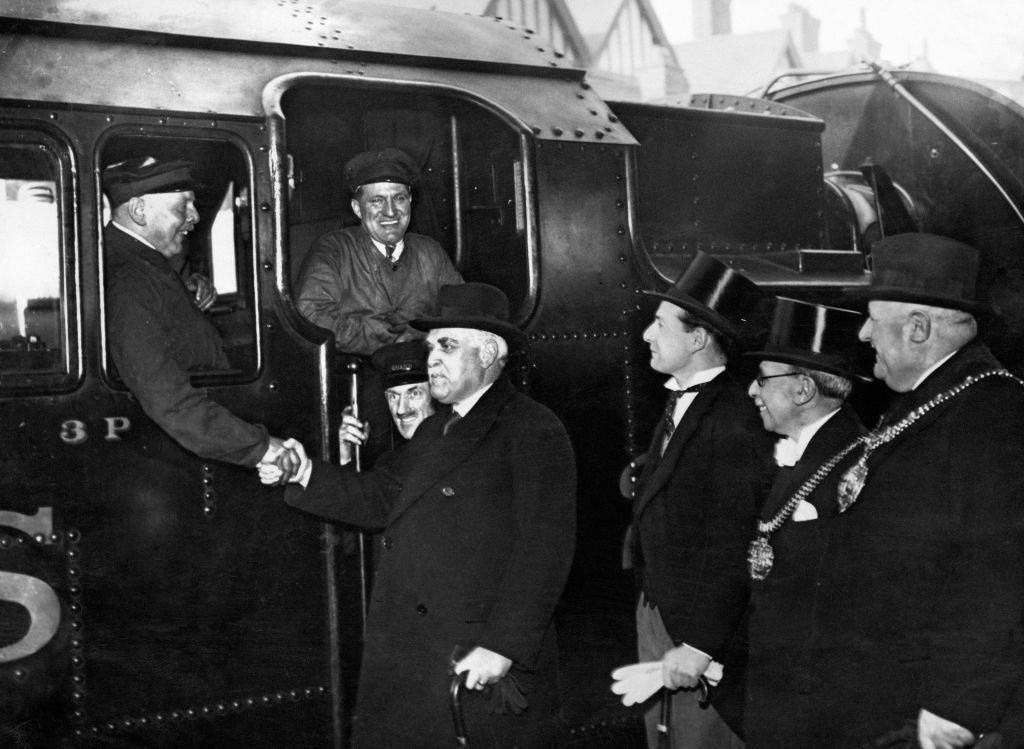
column 285, row 461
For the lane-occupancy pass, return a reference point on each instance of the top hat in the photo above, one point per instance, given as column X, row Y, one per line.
column 814, row 336
column 923, row 268
column 145, row 175
column 401, row 363
column 473, row 305
column 718, row 295
column 384, row 165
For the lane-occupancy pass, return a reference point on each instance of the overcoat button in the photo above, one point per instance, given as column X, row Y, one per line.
column 421, row 610
column 448, row 491
column 387, row 543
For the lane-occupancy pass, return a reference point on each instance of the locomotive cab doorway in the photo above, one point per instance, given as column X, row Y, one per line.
column 472, row 196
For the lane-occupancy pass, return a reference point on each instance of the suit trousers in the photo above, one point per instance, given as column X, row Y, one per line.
column 692, row 727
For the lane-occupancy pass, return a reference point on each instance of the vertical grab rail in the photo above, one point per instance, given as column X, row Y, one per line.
column 352, row 367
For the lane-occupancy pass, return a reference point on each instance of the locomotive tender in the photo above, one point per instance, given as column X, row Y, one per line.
column 151, row 597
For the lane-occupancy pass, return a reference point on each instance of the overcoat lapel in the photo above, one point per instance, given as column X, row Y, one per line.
column 435, row 454
column 661, row 470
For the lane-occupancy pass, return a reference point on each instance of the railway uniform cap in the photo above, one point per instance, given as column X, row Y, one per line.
column 473, row 305
column 923, row 268
column 816, row 337
column 721, row 297
column 145, row 175
column 401, row 363
column 383, row 165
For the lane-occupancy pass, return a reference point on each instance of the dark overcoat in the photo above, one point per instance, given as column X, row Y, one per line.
column 479, row 533
column 158, row 338
column 919, row 597
column 694, row 514
column 782, row 603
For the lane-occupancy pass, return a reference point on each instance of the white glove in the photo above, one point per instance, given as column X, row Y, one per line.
column 639, row 681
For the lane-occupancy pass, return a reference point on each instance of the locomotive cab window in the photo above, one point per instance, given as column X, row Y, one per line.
column 36, row 292
column 217, row 250
column 470, row 196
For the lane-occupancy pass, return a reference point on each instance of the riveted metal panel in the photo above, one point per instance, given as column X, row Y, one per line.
column 229, row 83
column 338, row 26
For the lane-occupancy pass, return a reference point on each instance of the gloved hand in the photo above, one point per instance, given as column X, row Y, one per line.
column 639, row 681
column 506, row 696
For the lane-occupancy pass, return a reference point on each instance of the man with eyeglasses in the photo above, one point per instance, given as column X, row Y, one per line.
column 805, row 374
column 703, row 480
column 915, row 632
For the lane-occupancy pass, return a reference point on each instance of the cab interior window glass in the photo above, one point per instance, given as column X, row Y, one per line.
column 33, row 323
column 220, row 246
column 470, row 195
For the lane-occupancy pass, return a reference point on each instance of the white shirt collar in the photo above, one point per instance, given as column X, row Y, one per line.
column 463, row 407
column 132, row 234
column 383, row 251
column 788, row 450
column 931, row 369
column 705, row 375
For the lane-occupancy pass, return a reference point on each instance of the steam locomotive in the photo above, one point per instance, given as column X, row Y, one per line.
column 149, row 597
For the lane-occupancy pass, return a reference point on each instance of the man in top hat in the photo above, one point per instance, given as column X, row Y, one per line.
column 915, row 625
column 403, row 374
column 804, row 377
column 158, row 335
column 703, row 480
column 478, row 517
column 366, row 283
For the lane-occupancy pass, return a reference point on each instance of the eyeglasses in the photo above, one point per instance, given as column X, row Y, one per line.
column 760, row 379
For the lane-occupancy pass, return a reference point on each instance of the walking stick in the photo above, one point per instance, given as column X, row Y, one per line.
column 665, row 720
column 455, row 702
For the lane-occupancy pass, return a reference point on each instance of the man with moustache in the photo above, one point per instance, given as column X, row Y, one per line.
column 913, row 631
column 157, row 333
column 696, row 501
column 805, row 374
column 402, row 368
column 365, row 283
column 478, row 517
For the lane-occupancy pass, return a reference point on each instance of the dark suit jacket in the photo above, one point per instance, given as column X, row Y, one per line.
column 781, row 604
column 694, row 514
column 479, row 531
column 919, row 597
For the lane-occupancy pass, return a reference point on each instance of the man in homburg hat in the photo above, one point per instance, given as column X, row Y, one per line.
column 157, row 333
column 704, row 477
column 805, row 374
column 478, row 517
column 366, row 283
column 914, row 626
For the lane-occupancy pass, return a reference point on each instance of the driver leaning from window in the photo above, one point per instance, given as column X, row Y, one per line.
column 365, row 283
column 156, row 329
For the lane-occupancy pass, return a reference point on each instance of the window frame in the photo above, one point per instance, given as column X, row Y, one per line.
column 54, row 141
column 248, row 275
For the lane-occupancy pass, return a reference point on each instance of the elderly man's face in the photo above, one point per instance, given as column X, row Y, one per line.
column 776, row 399
column 168, row 218
column 888, row 330
column 409, row 404
column 384, row 209
column 454, row 364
